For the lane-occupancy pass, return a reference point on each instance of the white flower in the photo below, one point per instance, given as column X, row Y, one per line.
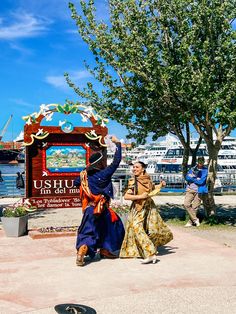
column 61, row 122
column 84, row 117
column 89, row 109
column 49, row 116
column 103, row 124
column 29, row 121
column 93, row 133
column 40, row 131
column 44, row 107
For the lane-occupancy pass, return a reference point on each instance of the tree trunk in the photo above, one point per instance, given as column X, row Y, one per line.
column 185, row 161
column 194, row 152
column 209, row 204
column 185, row 141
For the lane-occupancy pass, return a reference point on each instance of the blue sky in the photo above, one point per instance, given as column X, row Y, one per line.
column 39, row 43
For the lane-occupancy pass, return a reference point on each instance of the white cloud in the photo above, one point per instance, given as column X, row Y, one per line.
column 49, row 7
column 21, row 102
column 53, row 9
column 59, row 81
column 24, row 25
column 76, row 76
column 21, row 49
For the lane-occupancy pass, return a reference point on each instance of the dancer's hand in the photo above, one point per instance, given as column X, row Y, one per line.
column 144, row 195
column 114, row 139
column 163, row 183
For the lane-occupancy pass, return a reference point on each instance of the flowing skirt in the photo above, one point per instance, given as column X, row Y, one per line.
column 99, row 232
column 145, row 231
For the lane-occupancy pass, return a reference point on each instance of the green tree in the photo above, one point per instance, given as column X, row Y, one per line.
column 164, row 64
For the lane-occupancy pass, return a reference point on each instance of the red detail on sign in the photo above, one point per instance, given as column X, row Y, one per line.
column 55, row 202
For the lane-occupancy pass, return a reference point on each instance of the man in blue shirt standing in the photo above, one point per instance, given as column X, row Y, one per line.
column 196, row 190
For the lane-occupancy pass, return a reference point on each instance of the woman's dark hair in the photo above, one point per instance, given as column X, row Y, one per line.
column 143, row 165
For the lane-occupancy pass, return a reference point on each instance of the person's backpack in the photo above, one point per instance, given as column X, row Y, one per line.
column 20, row 184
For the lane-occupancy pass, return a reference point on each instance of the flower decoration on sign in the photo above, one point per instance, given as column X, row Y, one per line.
column 47, row 111
column 38, row 137
column 40, row 132
column 93, row 136
column 85, row 117
column 48, row 116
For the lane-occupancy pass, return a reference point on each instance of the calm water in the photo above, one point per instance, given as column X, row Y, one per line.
column 12, row 169
column 173, row 190
column 8, row 185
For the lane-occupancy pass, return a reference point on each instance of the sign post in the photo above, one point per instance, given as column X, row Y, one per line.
column 55, row 155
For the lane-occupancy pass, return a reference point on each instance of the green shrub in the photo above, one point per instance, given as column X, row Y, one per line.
column 14, row 212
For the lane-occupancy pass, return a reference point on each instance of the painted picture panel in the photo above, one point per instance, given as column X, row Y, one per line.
column 65, row 158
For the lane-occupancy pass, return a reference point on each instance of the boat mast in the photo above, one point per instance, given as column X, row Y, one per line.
column 5, row 127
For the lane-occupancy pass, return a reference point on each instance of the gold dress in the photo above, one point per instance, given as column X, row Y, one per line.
column 145, row 230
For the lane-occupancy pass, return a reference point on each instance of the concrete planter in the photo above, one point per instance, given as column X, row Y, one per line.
column 15, row 226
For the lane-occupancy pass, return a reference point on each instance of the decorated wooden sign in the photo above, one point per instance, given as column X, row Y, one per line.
column 55, row 155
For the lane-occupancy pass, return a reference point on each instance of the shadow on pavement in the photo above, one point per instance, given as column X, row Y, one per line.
column 164, row 250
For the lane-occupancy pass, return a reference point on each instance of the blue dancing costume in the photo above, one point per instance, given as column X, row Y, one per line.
column 100, row 226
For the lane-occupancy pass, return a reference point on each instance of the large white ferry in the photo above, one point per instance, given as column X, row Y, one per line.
column 164, row 161
column 153, row 152
column 167, row 155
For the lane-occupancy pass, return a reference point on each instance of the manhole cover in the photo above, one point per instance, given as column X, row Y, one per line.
column 74, row 309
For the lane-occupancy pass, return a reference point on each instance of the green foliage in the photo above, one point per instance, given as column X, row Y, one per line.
column 21, row 208
column 212, row 220
column 15, row 212
column 163, row 64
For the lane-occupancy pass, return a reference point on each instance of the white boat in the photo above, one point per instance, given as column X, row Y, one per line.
column 172, row 161
column 153, row 152
column 167, row 156
column 227, row 154
column 227, row 159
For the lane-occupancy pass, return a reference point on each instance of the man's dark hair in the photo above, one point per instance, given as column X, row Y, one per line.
column 201, row 159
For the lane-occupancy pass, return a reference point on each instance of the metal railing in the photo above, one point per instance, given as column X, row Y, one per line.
column 174, row 183
column 226, row 182
column 8, row 186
